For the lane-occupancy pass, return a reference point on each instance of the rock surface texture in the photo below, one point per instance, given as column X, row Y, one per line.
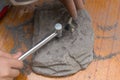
column 69, row 54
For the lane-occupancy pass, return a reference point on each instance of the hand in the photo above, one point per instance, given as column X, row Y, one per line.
column 73, row 6
column 9, row 66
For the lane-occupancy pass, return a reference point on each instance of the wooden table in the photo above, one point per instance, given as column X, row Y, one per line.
column 106, row 24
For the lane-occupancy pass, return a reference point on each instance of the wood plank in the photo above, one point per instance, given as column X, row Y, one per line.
column 106, row 24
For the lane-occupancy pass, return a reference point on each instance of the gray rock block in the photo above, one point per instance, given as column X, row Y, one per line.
column 69, row 54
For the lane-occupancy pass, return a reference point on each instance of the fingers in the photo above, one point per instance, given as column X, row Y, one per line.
column 17, row 55
column 10, row 65
column 4, row 54
column 7, row 79
column 73, row 6
column 69, row 4
column 12, row 60
column 14, row 73
column 10, row 73
column 14, row 63
column 79, row 4
column 7, row 55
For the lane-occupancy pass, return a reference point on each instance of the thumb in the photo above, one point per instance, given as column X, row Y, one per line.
column 17, row 55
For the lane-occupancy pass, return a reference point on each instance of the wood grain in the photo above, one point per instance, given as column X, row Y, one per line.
column 106, row 23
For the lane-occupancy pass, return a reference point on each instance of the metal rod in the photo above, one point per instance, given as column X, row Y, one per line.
column 14, row 2
column 58, row 32
column 39, row 45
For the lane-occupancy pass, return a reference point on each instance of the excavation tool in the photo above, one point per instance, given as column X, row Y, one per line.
column 56, row 33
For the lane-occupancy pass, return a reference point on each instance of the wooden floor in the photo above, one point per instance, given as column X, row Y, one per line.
column 106, row 24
